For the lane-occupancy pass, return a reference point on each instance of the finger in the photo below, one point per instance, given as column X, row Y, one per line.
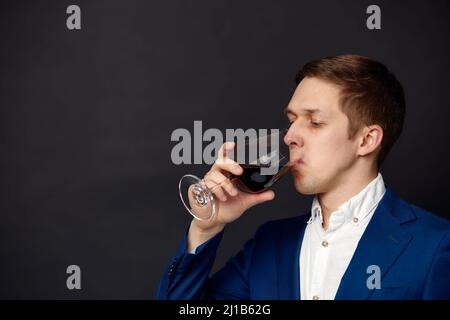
column 223, row 162
column 213, row 182
column 225, row 150
column 229, row 166
column 254, row 199
column 225, row 183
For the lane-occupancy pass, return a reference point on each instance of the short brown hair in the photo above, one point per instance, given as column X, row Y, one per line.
column 370, row 94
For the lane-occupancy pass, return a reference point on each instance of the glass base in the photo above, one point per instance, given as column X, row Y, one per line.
column 197, row 198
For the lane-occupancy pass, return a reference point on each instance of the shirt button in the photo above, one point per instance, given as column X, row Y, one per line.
column 324, row 243
column 316, row 298
column 355, row 220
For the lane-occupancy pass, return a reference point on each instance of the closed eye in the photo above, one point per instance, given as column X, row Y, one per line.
column 315, row 123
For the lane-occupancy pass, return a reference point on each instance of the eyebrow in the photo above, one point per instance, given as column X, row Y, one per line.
column 286, row 111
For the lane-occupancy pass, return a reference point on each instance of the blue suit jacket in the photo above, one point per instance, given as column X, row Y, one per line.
column 410, row 246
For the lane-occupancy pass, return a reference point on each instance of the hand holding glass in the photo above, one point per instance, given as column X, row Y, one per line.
column 264, row 161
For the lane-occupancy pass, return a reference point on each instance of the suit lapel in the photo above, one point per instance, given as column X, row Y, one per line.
column 382, row 242
column 287, row 259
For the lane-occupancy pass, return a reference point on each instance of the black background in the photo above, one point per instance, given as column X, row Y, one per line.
column 87, row 115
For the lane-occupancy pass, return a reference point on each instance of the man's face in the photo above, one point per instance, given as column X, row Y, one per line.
column 320, row 149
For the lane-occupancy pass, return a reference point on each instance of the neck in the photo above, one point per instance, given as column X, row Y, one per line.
column 350, row 186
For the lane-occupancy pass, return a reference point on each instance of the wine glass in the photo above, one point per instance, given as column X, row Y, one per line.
column 264, row 161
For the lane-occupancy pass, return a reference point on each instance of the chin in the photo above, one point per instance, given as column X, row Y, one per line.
column 305, row 191
column 304, row 185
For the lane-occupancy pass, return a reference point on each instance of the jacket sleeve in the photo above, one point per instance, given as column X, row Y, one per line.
column 437, row 286
column 187, row 276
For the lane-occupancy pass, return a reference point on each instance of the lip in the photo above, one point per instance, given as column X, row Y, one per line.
column 295, row 162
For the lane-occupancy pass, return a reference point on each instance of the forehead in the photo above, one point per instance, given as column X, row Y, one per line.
column 315, row 96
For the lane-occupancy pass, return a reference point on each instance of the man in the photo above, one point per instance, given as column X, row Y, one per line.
column 360, row 241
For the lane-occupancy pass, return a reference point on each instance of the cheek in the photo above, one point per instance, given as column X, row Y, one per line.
column 333, row 149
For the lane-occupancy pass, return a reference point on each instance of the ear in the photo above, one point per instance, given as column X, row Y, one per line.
column 370, row 139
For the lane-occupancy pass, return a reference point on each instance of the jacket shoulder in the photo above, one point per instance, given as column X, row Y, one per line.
column 424, row 222
column 430, row 220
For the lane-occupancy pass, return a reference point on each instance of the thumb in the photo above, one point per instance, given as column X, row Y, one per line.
column 254, row 199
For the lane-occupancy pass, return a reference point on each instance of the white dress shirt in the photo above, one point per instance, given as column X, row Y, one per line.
column 326, row 254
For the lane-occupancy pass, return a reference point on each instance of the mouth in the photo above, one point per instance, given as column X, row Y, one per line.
column 296, row 162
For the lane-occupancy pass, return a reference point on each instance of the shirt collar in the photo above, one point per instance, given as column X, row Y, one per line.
column 316, row 211
column 357, row 207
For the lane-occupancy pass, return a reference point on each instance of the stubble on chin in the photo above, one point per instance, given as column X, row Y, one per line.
column 305, row 185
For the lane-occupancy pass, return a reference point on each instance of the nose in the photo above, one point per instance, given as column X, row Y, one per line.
column 292, row 137
column 286, row 138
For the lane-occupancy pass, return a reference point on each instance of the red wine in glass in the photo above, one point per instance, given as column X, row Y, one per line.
column 253, row 181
